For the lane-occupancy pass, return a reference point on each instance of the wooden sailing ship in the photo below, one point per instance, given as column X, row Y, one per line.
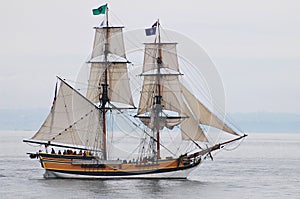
column 77, row 125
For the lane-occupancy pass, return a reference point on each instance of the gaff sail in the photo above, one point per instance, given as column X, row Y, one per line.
column 72, row 120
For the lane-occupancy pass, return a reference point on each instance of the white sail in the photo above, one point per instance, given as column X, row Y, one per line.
column 117, row 74
column 190, row 129
column 204, row 116
column 114, row 36
column 170, row 92
column 168, row 55
column 72, row 120
column 118, row 81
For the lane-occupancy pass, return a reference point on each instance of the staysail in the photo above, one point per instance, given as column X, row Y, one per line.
column 190, row 129
column 72, row 120
column 204, row 115
column 116, row 64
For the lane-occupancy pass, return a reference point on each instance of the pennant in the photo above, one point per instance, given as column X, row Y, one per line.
column 101, row 24
column 155, row 24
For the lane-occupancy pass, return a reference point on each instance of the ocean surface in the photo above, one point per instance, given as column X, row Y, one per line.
column 263, row 166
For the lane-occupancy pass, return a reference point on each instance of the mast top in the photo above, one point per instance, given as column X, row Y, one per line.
column 106, row 15
column 158, row 26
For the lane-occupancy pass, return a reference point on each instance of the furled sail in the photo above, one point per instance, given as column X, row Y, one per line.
column 116, row 63
column 204, row 116
column 72, row 120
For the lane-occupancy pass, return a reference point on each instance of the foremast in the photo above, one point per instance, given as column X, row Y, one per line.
column 104, row 99
column 158, row 98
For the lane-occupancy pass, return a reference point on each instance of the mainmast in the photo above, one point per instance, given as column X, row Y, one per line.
column 159, row 92
column 158, row 98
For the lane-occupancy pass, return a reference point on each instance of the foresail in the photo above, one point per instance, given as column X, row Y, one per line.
column 204, row 116
column 118, row 81
column 73, row 120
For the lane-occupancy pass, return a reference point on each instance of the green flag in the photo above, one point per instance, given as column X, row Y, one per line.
column 100, row 10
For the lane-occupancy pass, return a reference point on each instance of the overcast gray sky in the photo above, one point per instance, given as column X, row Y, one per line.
column 255, row 45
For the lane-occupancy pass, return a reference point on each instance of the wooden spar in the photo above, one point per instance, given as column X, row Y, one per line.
column 159, row 62
column 48, row 143
column 217, row 146
column 106, row 16
column 227, row 142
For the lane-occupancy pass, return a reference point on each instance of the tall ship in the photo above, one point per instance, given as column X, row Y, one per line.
column 113, row 130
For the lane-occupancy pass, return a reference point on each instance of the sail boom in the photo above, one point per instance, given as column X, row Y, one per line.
column 167, row 117
column 123, row 108
column 118, row 108
column 48, row 143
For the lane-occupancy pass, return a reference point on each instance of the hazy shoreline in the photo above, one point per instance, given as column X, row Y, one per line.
column 260, row 122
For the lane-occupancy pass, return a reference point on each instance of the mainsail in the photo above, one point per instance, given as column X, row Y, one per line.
column 175, row 97
column 161, row 71
column 72, row 120
column 109, row 53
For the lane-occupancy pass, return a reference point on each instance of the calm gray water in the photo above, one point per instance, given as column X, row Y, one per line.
column 264, row 166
